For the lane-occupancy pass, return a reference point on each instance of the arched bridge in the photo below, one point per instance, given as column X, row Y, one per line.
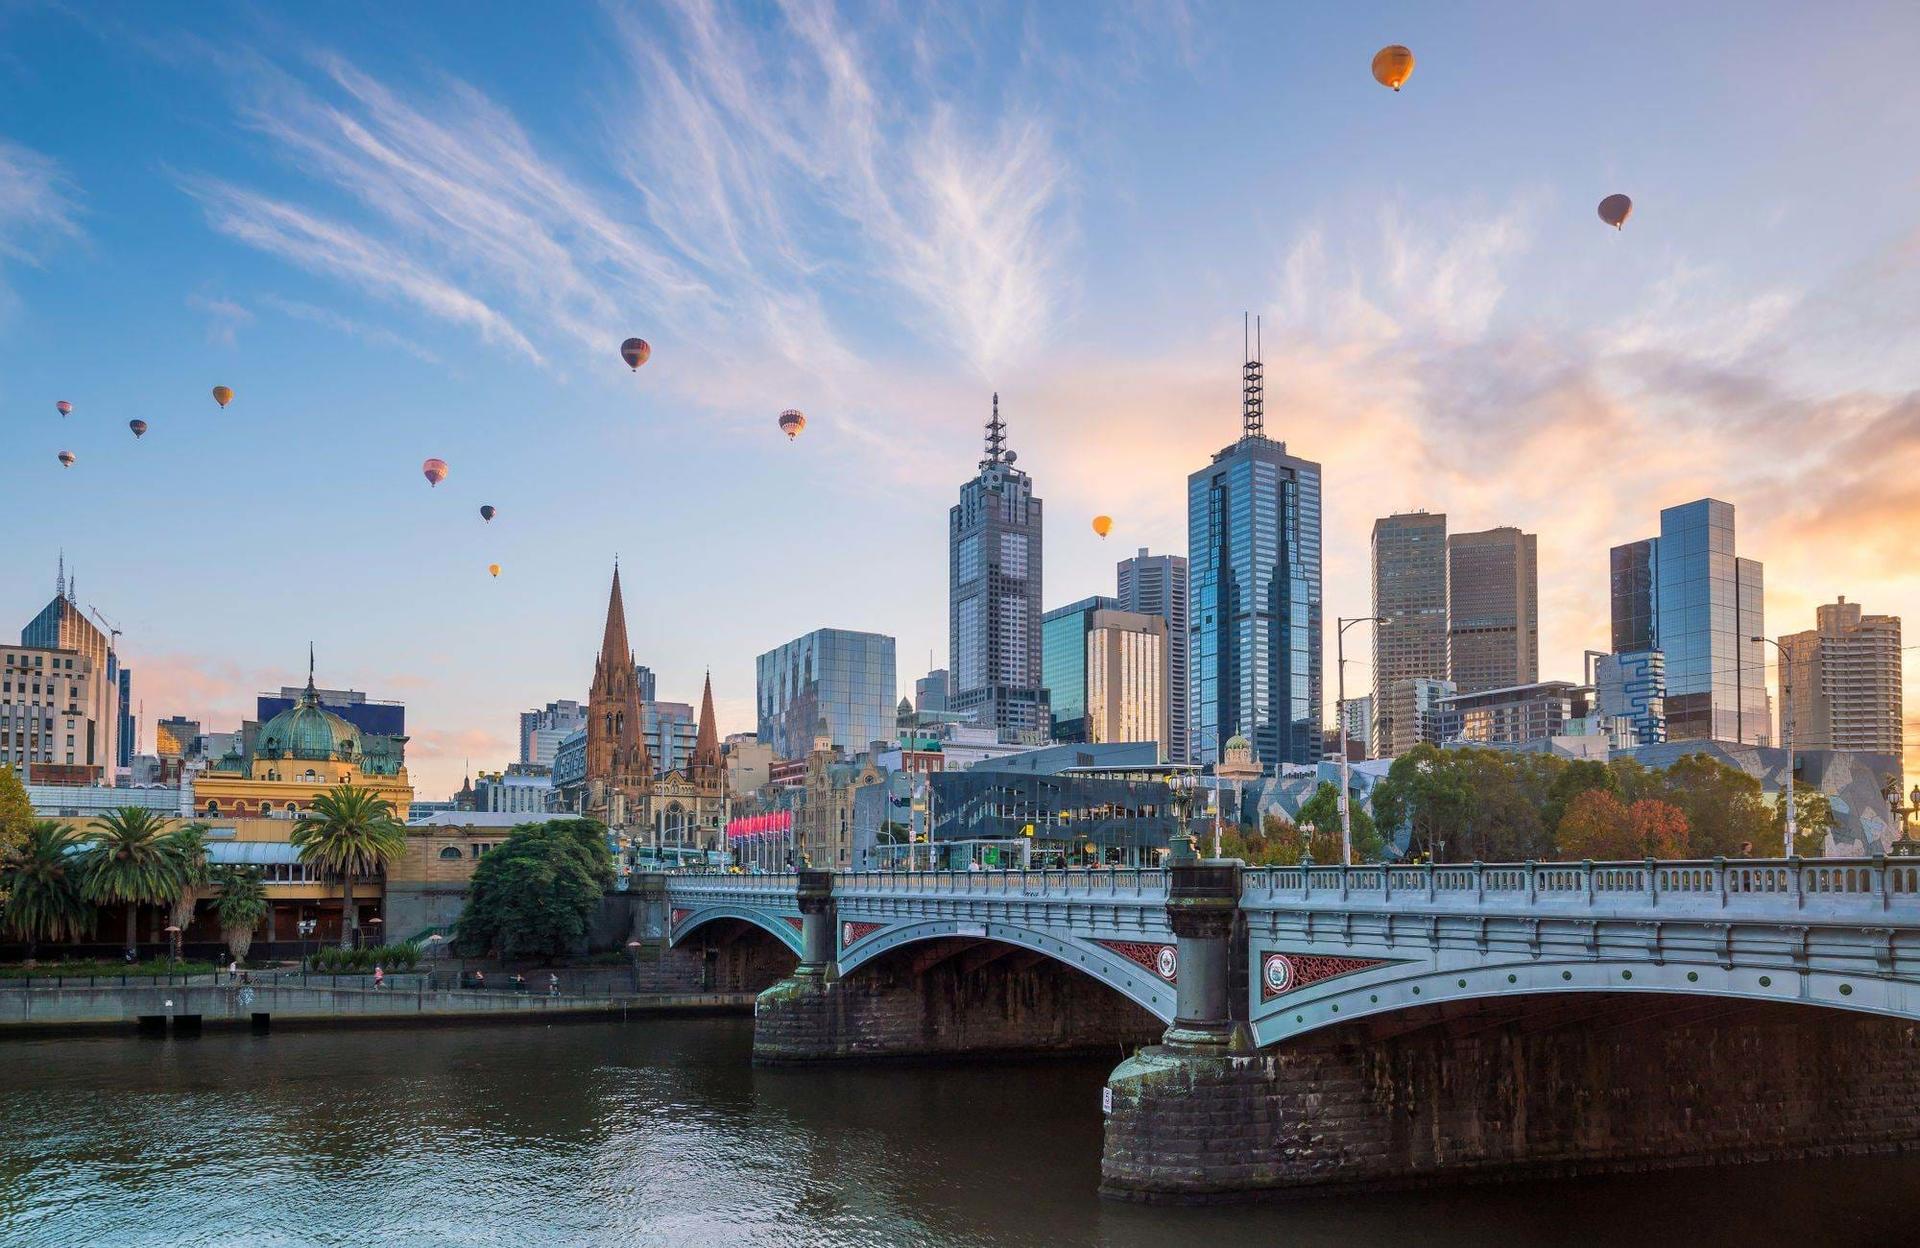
column 1314, row 946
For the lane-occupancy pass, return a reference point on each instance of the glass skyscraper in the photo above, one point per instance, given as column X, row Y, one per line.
column 1253, row 536
column 843, row 678
column 1063, row 664
column 993, row 559
column 1688, row 596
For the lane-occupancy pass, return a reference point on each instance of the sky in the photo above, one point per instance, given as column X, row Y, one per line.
column 423, row 230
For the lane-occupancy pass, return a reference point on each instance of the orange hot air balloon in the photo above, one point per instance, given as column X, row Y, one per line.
column 635, row 352
column 66, row 459
column 1103, row 525
column 223, row 395
column 63, row 407
column 1615, row 209
column 434, row 470
column 1393, row 65
column 139, row 428
column 493, row 569
column 487, row 513
column 792, row 421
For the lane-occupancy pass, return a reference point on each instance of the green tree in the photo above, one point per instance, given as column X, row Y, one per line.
column 1579, row 776
column 1425, row 793
column 190, row 845
column 1503, row 822
column 534, row 895
column 42, row 883
column 16, row 813
column 239, row 907
column 1812, row 817
column 348, row 831
column 131, row 860
column 1321, row 815
column 1726, row 814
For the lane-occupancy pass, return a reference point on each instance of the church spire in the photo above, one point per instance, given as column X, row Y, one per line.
column 706, row 746
column 613, row 644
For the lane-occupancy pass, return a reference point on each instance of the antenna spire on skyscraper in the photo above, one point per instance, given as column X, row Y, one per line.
column 1252, row 387
column 60, row 581
column 996, row 435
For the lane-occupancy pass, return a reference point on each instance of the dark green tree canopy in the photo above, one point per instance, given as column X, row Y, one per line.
column 535, row 894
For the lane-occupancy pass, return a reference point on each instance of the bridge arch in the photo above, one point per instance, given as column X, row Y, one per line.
column 1144, row 988
column 1394, row 987
column 686, row 923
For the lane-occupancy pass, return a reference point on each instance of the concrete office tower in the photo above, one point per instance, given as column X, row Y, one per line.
column 1410, row 596
column 1157, row 585
column 994, row 576
column 1493, row 609
column 1687, row 595
column 542, row 731
column 1253, row 552
column 1842, row 683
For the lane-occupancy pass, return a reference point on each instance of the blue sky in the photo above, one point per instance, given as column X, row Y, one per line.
column 403, row 231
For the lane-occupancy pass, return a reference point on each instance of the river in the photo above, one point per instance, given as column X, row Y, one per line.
column 663, row 1133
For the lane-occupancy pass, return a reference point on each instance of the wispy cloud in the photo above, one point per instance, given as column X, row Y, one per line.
column 39, row 204
column 347, row 325
column 224, row 317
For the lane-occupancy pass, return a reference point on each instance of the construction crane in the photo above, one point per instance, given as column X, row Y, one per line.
column 113, row 634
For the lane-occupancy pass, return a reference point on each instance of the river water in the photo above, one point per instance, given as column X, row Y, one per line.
column 663, row 1133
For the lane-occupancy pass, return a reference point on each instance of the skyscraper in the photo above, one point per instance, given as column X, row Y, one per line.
column 1063, row 664
column 1493, row 610
column 930, row 692
column 1253, row 537
column 542, row 731
column 994, row 575
column 93, row 734
column 1410, row 639
column 1106, row 673
column 1157, row 585
column 1842, row 683
column 1687, row 595
column 843, row 678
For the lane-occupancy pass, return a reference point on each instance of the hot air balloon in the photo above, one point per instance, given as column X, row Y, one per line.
column 223, row 395
column 487, row 513
column 792, row 421
column 434, row 470
column 1392, row 65
column 635, row 352
column 63, row 407
column 1103, row 525
column 66, row 459
column 493, row 569
column 139, row 428
column 1615, row 209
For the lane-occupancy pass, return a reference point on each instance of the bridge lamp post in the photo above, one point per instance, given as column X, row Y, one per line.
column 1786, row 730
column 1340, row 724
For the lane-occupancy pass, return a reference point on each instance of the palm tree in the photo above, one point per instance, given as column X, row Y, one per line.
column 190, row 843
column 42, row 881
column 350, row 831
column 131, row 860
column 241, row 905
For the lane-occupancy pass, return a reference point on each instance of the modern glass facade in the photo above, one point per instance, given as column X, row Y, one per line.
column 1253, row 535
column 1127, row 679
column 1687, row 595
column 831, row 674
column 1063, row 664
column 1077, row 819
column 1633, row 686
column 1157, row 585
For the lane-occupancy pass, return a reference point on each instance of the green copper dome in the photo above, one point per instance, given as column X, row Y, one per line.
column 306, row 731
column 1239, row 743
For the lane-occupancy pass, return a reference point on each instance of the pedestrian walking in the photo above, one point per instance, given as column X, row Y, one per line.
column 233, row 970
column 479, row 979
column 379, row 976
column 553, row 985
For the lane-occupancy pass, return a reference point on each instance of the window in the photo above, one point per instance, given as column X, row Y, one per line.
column 451, row 853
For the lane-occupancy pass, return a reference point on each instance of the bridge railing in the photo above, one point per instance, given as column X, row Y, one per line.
column 1784, row 883
column 1150, row 882
column 727, row 882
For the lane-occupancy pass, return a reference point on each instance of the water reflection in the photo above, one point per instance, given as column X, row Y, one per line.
column 663, row 1133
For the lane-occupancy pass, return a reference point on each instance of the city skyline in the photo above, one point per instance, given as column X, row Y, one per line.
column 1490, row 352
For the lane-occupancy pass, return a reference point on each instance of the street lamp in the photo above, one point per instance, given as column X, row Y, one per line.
column 1342, row 624
column 1786, row 730
column 173, row 941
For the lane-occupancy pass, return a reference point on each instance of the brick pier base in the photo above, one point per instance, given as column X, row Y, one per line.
column 946, row 999
column 1508, row 1090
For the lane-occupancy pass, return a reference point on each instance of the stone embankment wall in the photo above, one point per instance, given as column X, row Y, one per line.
column 947, row 999
column 1547, row 1087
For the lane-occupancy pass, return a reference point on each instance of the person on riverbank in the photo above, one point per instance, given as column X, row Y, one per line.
column 480, row 979
column 553, row 984
column 233, row 971
column 379, row 976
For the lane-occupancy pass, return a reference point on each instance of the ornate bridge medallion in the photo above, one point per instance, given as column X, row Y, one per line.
column 1162, row 960
column 852, row 933
column 1282, row 973
column 679, row 914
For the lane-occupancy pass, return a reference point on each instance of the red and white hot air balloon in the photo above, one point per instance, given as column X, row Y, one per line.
column 434, row 470
column 63, row 407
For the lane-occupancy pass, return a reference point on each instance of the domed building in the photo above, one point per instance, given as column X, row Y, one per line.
column 298, row 754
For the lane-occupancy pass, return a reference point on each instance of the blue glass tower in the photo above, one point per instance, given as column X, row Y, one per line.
column 1254, row 612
